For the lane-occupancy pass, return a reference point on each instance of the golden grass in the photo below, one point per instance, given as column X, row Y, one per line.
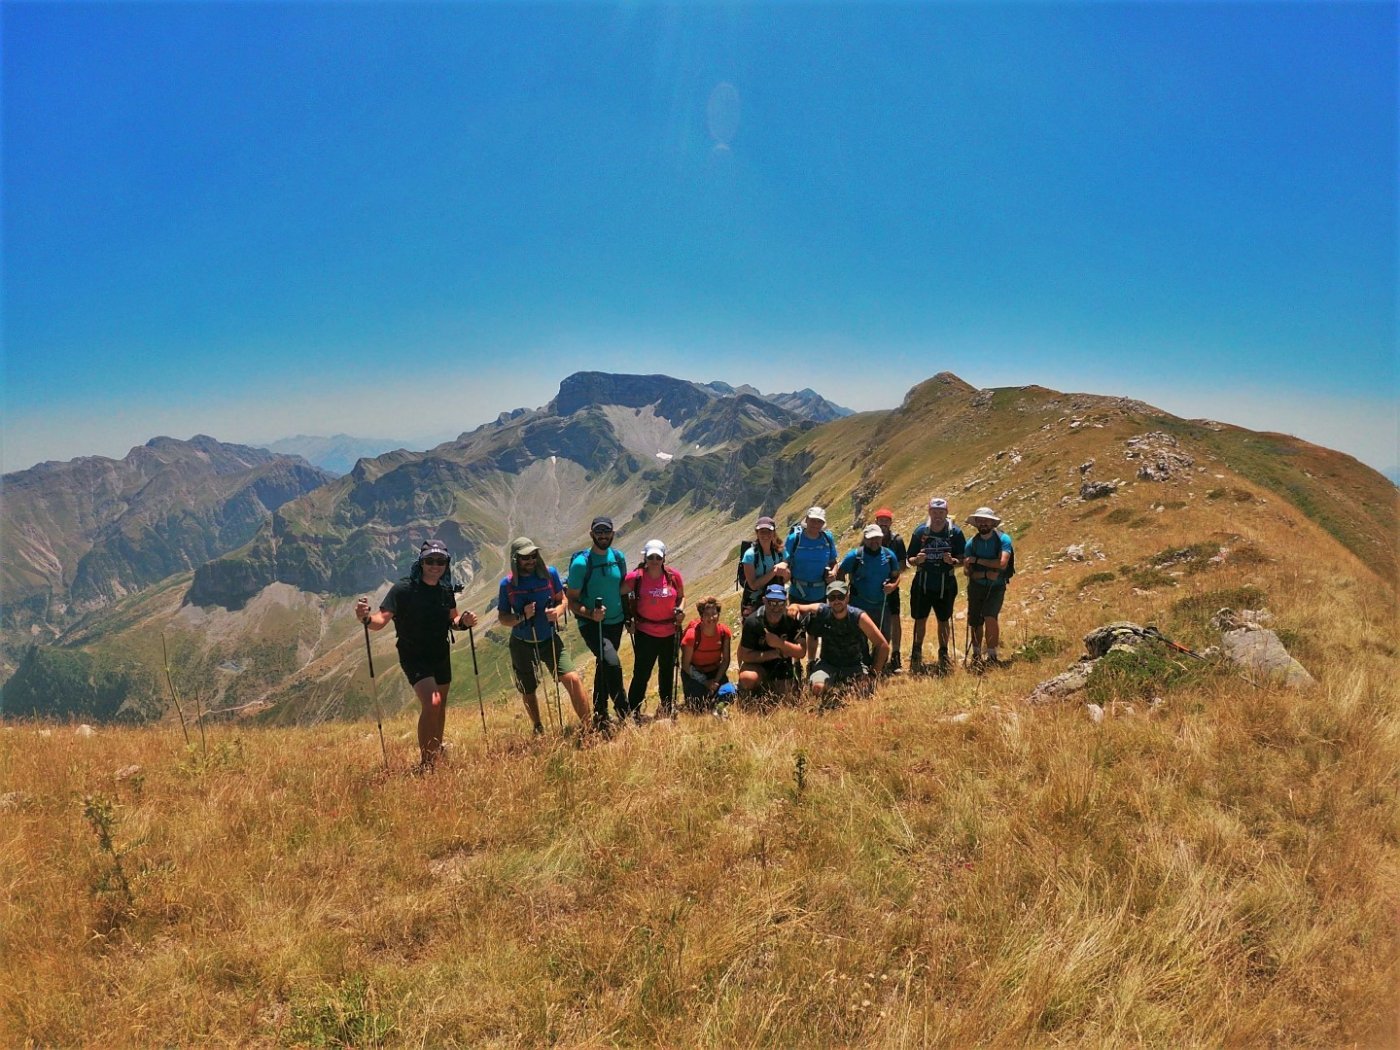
column 1221, row 871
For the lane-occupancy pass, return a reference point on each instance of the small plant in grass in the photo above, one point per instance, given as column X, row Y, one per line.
column 345, row 1016
column 1197, row 609
column 1121, row 516
column 1150, row 579
column 1096, row 578
column 111, row 885
column 1040, row 646
column 799, row 772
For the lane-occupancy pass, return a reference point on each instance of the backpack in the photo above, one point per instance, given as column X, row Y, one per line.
column 631, row 599
column 744, row 547
column 860, row 558
column 512, row 590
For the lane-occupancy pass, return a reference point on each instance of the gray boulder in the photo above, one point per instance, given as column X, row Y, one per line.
column 1259, row 653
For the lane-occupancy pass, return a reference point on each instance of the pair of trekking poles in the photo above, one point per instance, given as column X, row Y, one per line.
column 374, row 691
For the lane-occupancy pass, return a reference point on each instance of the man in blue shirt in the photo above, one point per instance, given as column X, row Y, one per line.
column 873, row 570
column 988, row 567
column 595, row 595
column 531, row 603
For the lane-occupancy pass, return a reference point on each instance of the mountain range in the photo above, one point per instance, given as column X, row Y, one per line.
column 237, row 566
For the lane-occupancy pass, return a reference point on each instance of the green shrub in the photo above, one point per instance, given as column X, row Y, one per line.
column 1096, row 577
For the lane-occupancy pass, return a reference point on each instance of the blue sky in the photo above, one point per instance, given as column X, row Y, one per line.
column 254, row 220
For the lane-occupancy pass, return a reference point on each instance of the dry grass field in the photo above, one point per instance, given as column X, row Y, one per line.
column 938, row 865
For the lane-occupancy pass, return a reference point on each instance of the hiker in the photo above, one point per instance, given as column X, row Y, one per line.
column 705, row 654
column 847, row 634
column 423, row 608
column 595, row 595
column 761, row 565
column 769, row 642
column 653, row 596
column 990, row 563
column 811, row 555
column 873, row 571
column 531, row 603
column 936, row 549
column 893, row 541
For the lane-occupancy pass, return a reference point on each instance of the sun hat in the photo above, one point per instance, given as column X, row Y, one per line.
column 523, row 545
column 984, row 512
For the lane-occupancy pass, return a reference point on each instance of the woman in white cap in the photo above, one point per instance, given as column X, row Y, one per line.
column 653, row 596
column 423, row 608
column 988, row 567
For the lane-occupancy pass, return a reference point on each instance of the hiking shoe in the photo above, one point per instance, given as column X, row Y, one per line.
column 895, row 666
column 539, row 729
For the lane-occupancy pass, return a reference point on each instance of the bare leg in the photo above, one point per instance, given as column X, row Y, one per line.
column 432, row 718
column 573, row 684
column 532, row 708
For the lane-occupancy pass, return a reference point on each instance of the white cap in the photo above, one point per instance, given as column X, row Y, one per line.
column 874, row 532
column 818, row 513
column 654, row 547
column 938, row 503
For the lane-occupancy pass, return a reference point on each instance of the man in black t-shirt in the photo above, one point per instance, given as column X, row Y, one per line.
column 423, row 608
column 768, row 643
column 846, row 633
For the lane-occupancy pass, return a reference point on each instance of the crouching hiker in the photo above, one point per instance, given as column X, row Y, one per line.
column 846, row 633
column 769, row 642
column 531, row 603
column 705, row 654
column 423, row 609
column 990, row 564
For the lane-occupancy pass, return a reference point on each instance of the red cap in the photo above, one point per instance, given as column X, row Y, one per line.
column 884, row 512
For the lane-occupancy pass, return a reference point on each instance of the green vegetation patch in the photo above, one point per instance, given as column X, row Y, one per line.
column 1150, row 579
column 1096, row 578
column 1120, row 516
column 1145, row 672
column 1195, row 610
column 1040, row 646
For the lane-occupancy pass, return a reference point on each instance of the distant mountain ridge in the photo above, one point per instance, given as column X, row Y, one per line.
column 336, row 454
column 83, row 534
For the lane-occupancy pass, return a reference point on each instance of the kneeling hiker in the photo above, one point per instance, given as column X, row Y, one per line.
column 531, row 603
column 846, row 633
column 423, row 608
column 705, row 652
column 768, row 643
column 653, row 596
column 937, row 548
column 990, row 563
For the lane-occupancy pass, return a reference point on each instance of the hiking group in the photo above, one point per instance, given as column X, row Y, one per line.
column 807, row 615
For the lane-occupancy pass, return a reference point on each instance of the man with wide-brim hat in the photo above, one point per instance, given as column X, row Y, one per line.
column 988, row 567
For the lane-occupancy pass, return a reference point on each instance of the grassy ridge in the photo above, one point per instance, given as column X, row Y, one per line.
column 939, row 865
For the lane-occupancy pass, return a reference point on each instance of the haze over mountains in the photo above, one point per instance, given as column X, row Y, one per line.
column 245, row 561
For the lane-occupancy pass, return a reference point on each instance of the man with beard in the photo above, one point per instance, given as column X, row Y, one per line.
column 989, row 565
column 937, row 548
column 768, row 643
column 847, row 634
column 873, row 570
column 595, row 594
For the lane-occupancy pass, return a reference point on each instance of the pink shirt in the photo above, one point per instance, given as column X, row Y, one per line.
column 656, row 600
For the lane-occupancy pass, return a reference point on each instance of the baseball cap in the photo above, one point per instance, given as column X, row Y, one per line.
column 433, row 547
column 775, row 592
column 653, row 547
column 837, row 587
column 600, row 523
column 884, row 512
column 816, row 512
column 938, row 503
column 523, row 545
column 874, row 532
column 765, row 522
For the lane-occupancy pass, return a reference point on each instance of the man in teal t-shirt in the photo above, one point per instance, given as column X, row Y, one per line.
column 595, row 595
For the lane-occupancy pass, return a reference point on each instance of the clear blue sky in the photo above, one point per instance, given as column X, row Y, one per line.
column 261, row 219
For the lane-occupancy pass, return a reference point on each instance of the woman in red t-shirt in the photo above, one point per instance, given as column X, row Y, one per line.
column 705, row 652
column 652, row 597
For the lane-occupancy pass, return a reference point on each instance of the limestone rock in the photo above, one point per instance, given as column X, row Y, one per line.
column 1097, row 489
column 1258, row 651
column 1064, row 684
column 1087, row 465
column 1123, row 634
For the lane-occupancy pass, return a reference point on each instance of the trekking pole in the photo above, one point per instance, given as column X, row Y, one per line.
column 476, row 674
column 173, row 695
column 535, row 651
column 374, row 691
column 676, row 674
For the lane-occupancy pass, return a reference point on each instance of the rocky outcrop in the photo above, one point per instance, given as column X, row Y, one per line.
column 1159, row 456
column 1261, row 655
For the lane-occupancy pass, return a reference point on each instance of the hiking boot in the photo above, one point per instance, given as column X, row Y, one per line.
column 916, row 665
column 539, row 729
column 894, row 666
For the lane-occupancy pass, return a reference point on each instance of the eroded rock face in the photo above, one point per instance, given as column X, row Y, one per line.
column 1260, row 654
column 1123, row 634
column 1064, row 684
column 1097, row 489
column 1160, row 456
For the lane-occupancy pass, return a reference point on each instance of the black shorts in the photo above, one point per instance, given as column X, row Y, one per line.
column 984, row 601
column 929, row 594
column 892, row 602
column 419, row 668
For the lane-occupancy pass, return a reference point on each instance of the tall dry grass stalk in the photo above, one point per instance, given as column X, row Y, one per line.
column 947, row 867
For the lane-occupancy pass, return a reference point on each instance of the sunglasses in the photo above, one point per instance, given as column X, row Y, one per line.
column 654, row 557
column 434, row 561
column 838, row 597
